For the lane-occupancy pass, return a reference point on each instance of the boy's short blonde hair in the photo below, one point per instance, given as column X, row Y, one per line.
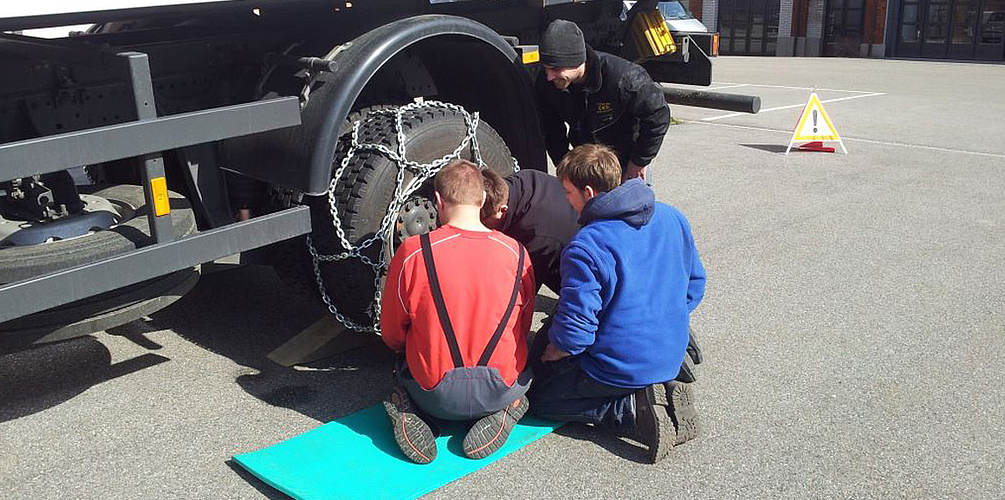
column 593, row 165
column 460, row 183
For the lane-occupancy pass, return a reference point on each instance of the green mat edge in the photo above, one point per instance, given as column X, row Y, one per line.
column 239, row 461
column 486, row 461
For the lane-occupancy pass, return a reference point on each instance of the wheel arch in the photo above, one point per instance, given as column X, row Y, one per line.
column 471, row 65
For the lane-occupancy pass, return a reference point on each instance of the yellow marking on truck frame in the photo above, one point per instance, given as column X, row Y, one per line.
column 162, row 206
column 531, row 56
column 652, row 37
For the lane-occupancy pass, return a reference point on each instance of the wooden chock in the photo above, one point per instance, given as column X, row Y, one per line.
column 324, row 338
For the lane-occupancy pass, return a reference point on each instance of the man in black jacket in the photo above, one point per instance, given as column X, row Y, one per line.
column 530, row 207
column 603, row 98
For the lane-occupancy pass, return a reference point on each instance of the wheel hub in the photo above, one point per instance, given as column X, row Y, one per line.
column 417, row 216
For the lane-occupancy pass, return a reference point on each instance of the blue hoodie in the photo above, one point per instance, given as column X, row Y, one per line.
column 630, row 279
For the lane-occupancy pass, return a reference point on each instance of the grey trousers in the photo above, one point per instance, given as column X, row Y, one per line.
column 467, row 393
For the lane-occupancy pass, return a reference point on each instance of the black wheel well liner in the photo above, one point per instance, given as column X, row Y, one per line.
column 472, row 65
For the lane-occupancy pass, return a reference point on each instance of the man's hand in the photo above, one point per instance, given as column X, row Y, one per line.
column 633, row 171
column 552, row 353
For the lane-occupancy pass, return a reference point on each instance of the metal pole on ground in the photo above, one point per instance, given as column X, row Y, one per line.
column 715, row 100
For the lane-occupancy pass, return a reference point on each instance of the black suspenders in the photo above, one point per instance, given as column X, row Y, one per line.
column 441, row 307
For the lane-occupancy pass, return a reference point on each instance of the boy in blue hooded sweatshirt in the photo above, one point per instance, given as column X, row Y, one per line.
column 630, row 279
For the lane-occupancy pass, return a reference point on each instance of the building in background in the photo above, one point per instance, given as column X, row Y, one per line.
column 937, row 29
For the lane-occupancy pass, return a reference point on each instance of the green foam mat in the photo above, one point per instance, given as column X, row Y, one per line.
column 356, row 457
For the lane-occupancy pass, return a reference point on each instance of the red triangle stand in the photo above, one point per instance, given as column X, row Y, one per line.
column 816, row 146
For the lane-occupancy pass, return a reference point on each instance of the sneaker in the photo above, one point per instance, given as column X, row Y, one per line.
column 682, row 411
column 411, row 432
column 490, row 432
column 652, row 418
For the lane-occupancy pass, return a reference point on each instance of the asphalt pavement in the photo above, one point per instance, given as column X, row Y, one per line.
column 853, row 327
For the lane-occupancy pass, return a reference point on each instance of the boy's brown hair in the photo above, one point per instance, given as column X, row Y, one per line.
column 496, row 192
column 593, row 165
column 460, row 183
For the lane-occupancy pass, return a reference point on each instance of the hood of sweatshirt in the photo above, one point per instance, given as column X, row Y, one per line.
column 632, row 202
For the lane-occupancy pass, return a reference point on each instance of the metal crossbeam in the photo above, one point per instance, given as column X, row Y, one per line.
column 62, row 287
column 126, row 140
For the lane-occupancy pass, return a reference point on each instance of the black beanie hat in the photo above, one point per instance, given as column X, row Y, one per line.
column 562, row 45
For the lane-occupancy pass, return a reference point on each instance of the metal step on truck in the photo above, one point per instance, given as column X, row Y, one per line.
column 162, row 135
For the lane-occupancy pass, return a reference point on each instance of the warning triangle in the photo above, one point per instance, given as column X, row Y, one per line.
column 815, row 125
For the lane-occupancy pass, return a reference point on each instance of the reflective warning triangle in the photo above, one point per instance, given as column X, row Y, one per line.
column 815, row 125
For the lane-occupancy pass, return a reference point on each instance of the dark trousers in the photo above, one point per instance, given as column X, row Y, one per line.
column 464, row 393
column 562, row 391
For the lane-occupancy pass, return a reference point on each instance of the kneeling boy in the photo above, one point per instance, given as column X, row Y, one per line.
column 630, row 279
column 458, row 301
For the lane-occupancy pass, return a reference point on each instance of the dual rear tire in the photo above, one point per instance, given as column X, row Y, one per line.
column 366, row 189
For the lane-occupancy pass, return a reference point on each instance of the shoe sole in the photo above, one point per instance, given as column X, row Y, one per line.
column 683, row 412
column 656, row 399
column 490, row 433
column 412, row 435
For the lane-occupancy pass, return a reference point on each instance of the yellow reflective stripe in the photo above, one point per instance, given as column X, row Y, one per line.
column 162, row 205
column 531, row 56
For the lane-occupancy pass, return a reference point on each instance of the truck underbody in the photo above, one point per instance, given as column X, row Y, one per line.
column 215, row 108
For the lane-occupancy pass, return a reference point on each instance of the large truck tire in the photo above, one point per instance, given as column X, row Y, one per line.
column 109, row 309
column 366, row 189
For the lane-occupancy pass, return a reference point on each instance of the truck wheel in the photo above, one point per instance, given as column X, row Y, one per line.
column 109, row 309
column 365, row 191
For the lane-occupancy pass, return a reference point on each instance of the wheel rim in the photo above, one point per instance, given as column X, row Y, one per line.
column 98, row 214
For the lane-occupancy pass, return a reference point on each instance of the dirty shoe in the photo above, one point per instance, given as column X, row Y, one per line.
column 652, row 418
column 682, row 411
column 412, row 434
column 491, row 432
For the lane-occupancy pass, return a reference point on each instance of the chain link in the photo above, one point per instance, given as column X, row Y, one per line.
column 421, row 172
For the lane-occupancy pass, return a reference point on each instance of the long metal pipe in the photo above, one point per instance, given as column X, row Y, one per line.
column 716, row 100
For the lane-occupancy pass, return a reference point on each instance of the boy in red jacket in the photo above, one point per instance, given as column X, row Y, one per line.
column 458, row 302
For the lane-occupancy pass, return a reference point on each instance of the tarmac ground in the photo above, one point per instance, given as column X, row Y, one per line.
column 853, row 327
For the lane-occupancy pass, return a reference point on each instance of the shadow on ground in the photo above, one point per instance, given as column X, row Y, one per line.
column 245, row 313
column 621, row 446
column 263, row 488
column 42, row 377
column 770, row 148
column 240, row 312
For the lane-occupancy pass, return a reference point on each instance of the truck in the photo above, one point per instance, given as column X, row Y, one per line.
column 166, row 134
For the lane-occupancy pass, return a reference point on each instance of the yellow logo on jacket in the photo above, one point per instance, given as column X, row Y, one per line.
column 604, row 107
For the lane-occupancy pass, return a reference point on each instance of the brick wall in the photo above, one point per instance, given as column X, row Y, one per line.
column 785, row 18
column 695, row 6
column 709, row 14
column 879, row 28
column 815, row 19
column 873, row 30
column 799, row 9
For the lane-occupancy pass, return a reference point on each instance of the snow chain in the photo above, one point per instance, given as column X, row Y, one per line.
column 421, row 173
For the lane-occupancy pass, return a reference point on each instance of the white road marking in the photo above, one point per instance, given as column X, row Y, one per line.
column 730, row 115
column 730, row 86
column 855, row 139
column 795, row 88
